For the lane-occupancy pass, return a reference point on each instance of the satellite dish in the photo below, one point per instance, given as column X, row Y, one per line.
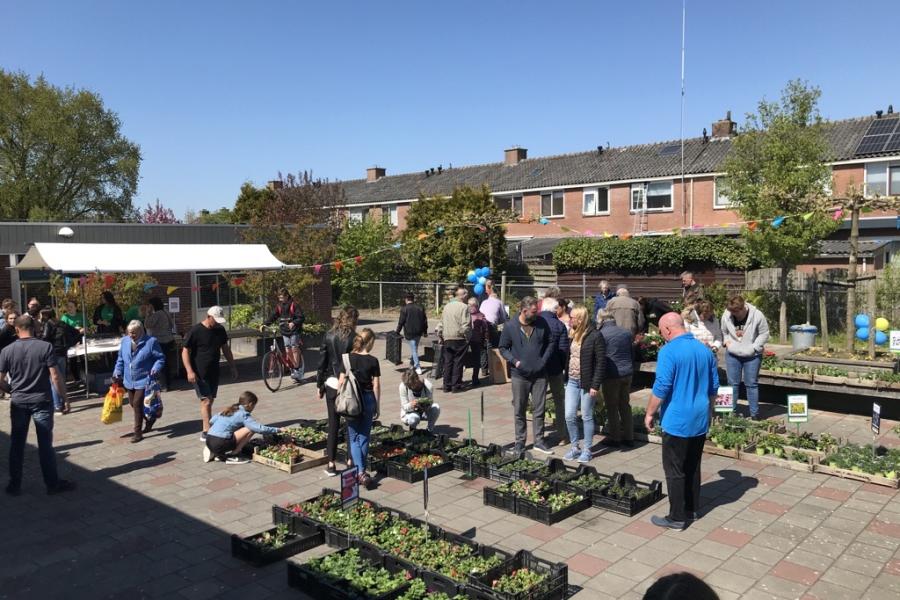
column 65, row 232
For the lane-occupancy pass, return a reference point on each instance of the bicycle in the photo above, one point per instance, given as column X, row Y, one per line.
column 276, row 360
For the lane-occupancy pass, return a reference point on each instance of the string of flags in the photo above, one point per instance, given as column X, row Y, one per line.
column 74, row 283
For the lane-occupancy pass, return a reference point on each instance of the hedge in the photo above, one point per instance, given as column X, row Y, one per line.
column 649, row 254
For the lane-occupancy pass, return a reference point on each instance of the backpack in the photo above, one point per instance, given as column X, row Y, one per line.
column 292, row 311
column 349, row 399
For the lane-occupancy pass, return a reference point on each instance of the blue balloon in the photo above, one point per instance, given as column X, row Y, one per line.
column 881, row 338
column 861, row 321
column 479, row 289
column 481, row 280
column 481, row 272
column 862, row 334
column 487, row 271
column 473, row 278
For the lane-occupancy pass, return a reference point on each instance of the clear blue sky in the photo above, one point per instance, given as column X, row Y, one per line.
column 218, row 93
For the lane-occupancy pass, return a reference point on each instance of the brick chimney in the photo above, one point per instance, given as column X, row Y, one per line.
column 374, row 174
column 275, row 184
column 724, row 128
column 514, row 155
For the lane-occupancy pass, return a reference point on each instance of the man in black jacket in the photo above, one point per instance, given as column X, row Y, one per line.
column 414, row 324
column 290, row 319
column 526, row 345
column 556, row 366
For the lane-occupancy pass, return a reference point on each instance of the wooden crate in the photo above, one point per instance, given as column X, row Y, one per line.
column 857, row 476
column 498, row 367
column 311, row 458
column 784, row 463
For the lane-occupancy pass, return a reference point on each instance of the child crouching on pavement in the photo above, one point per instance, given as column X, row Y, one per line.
column 416, row 401
column 231, row 429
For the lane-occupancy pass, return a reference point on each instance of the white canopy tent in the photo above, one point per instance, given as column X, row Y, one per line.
column 147, row 258
column 77, row 258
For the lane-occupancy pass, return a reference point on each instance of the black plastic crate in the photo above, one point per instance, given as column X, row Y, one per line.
column 557, row 470
column 602, row 498
column 421, row 440
column 502, row 473
column 570, row 486
column 395, row 433
column 553, row 587
column 402, row 471
column 284, row 516
column 543, row 514
column 305, row 538
column 502, row 500
column 312, row 583
column 393, row 344
column 466, row 463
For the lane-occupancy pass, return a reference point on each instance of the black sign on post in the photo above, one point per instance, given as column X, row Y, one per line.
column 349, row 486
column 876, row 418
column 425, row 489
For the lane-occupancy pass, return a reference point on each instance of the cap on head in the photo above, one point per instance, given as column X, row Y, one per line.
column 217, row 313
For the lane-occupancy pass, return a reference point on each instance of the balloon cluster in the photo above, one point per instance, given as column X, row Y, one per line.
column 881, row 327
column 478, row 277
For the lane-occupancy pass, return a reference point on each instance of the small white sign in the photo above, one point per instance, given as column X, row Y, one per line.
column 725, row 399
column 798, row 408
column 876, row 418
column 174, row 304
column 895, row 340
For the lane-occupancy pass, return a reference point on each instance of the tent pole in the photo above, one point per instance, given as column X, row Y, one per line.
column 87, row 388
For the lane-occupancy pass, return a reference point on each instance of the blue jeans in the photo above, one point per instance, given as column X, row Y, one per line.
column 61, row 362
column 577, row 398
column 414, row 351
column 20, row 416
column 358, row 430
column 746, row 368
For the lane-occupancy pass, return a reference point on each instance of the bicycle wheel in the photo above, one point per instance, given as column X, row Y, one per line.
column 272, row 371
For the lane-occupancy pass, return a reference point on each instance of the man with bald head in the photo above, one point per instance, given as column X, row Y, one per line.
column 687, row 380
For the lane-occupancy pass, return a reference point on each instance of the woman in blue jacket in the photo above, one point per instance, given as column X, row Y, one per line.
column 231, row 429
column 140, row 358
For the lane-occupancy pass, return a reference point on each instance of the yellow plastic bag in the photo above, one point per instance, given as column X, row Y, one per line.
column 112, row 405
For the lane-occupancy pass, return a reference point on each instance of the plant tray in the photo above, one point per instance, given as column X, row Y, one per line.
column 310, row 459
column 402, row 471
column 501, row 500
column 305, row 538
column 418, row 442
column 283, row 516
column 735, row 453
column 627, row 506
column 465, row 463
column 857, row 475
column 542, row 513
column 316, row 586
column 554, row 587
column 558, row 471
column 483, row 469
column 497, row 474
column 584, row 470
column 784, row 463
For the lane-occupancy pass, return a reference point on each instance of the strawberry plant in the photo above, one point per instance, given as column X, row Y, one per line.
column 420, row 462
column 357, row 573
column 518, row 581
column 559, row 501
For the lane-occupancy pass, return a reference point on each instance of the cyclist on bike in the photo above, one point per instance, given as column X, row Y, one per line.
column 290, row 322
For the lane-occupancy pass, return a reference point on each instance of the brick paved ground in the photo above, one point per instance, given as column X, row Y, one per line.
column 153, row 520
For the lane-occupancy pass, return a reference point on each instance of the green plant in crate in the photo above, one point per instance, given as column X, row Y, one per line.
column 590, row 481
column 619, row 491
column 359, row 574
column 561, row 500
column 885, row 463
column 523, row 464
column 519, row 581
column 533, row 491
column 770, row 444
column 273, row 539
column 418, row 591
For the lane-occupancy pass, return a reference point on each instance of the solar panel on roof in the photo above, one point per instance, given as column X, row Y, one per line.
column 536, row 172
column 872, row 143
column 881, row 126
column 670, row 150
column 893, row 143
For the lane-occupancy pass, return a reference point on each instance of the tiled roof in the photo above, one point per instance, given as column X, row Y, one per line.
column 614, row 164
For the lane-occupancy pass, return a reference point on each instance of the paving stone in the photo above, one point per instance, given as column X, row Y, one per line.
column 587, row 564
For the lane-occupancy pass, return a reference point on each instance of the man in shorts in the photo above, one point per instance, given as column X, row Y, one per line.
column 289, row 317
column 203, row 347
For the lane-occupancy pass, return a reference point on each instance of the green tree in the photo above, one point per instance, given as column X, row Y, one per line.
column 62, row 154
column 373, row 241
column 472, row 233
column 251, row 202
column 300, row 227
column 775, row 168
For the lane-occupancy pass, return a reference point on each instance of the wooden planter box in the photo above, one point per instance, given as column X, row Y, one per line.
column 829, row 379
column 735, row 453
column 309, row 459
column 857, row 476
column 784, row 463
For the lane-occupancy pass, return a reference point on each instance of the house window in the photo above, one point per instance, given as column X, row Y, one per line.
column 358, row 215
column 513, row 203
column 638, row 193
column 659, row 195
column 722, row 197
column 894, row 180
column 596, row 201
column 389, row 215
column 552, row 204
column 876, row 179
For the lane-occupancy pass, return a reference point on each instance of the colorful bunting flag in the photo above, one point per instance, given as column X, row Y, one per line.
column 338, row 265
column 317, row 269
column 67, row 281
column 776, row 223
column 838, row 214
column 422, row 236
column 807, row 216
column 358, row 259
column 397, row 245
column 108, row 281
column 440, row 229
column 214, row 286
column 148, row 287
column 237, row 281
column 171, row 289
column 130, row 284
column 751, row 225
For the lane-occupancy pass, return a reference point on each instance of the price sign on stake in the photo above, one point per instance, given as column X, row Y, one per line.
column 725, row 399
column 798, row 408
column 349, row 486
column 895, row 340
column 876, row 418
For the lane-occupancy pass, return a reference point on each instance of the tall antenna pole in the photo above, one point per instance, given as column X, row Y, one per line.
column 683, row 193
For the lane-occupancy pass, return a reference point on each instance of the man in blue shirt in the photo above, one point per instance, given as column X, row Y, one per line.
column 687, row 380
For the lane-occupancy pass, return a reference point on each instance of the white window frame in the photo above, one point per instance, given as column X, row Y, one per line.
column 640, row 191
column 390, row 214
column 513, row 200
column 890, row 188
column 717, row 204
column 671, row 206
column 643, row 189
column 596, row 192
column 552, row 194
column 357, row 215
column 885, row 167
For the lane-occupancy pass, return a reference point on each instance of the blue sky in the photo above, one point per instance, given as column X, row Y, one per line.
column 218, row 93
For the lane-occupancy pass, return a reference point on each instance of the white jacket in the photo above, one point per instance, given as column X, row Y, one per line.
column 756, row 333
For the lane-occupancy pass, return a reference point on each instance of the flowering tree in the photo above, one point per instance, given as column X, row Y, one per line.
column 158, row 214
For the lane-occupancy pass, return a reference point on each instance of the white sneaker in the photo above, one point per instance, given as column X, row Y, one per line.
column 419, row 370
column 207, row 454
column 237, row 460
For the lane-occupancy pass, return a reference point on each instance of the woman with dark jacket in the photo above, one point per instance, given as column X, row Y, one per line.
column 108, row 316
column 140, row 359
column 587, row 357
column 54, row 332
column 338, row 341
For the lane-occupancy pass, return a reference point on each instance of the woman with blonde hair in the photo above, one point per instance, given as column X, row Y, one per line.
column 367, row 372
column 587, row 356
column 337, row 343
column 700, row 321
